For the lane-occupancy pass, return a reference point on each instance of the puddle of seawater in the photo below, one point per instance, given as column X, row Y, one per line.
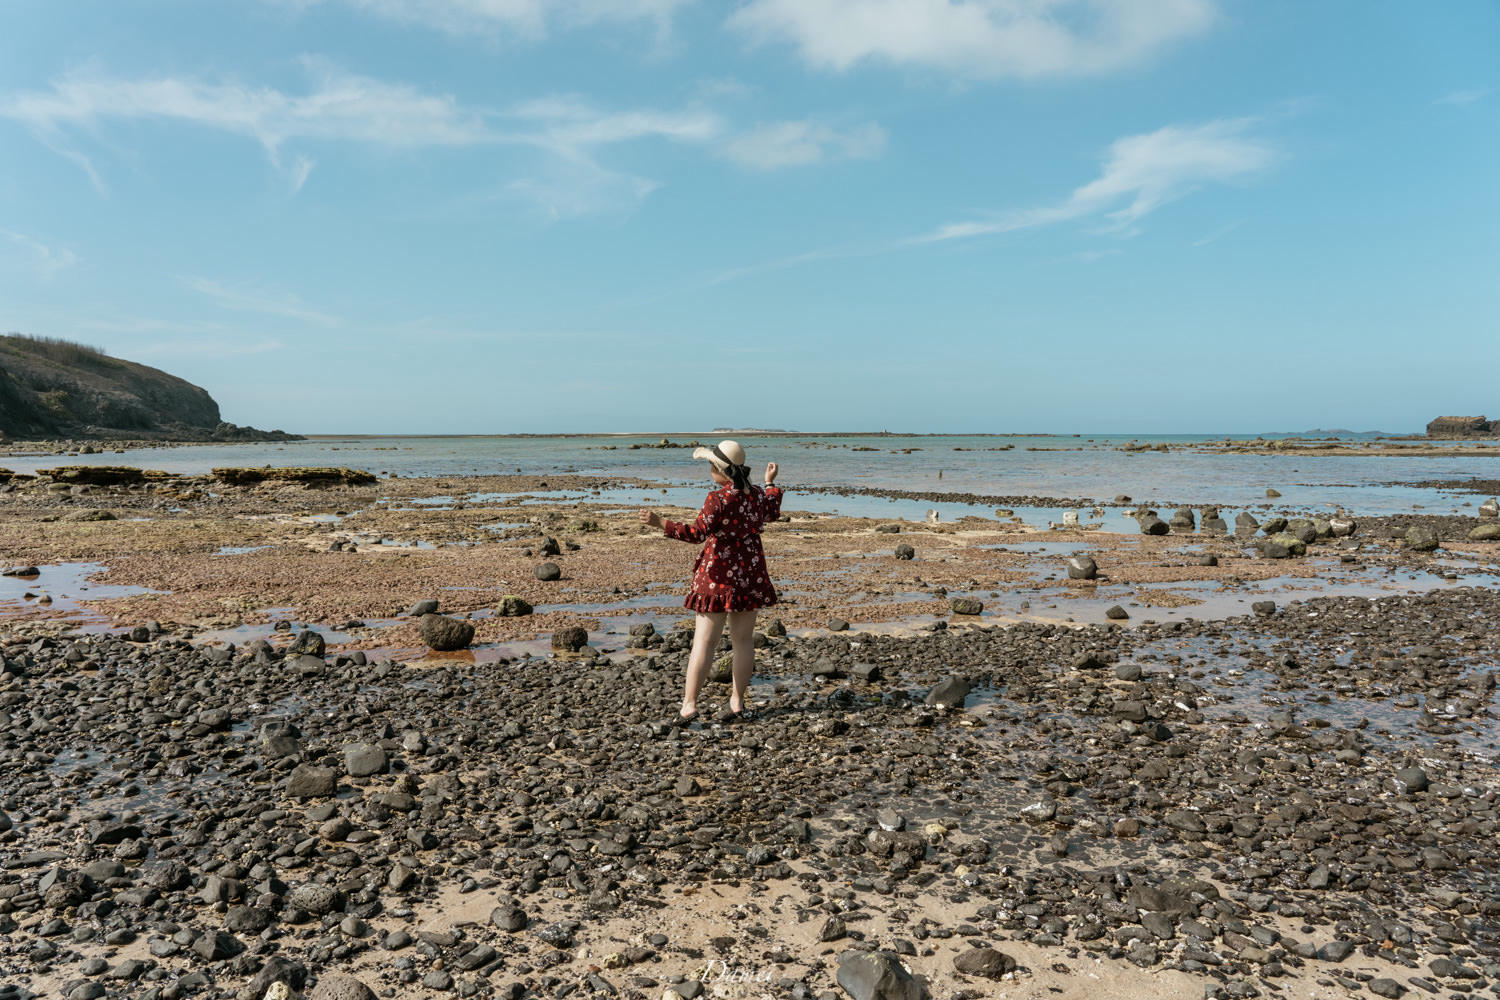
column 68, row 584
column 239, row 550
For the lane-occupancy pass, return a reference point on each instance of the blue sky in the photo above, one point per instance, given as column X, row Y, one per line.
column 474, row 216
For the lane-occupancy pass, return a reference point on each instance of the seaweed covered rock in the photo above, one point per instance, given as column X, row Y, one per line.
column 314, row 477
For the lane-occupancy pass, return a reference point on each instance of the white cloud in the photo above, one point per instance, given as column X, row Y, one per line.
column 46, row 259
column 341, row 107
column 1141, row 173
column 346, row 108
column 800, row 143
column 1463, row 96
column 525, row 18
column 980, row 39
column 285, row 306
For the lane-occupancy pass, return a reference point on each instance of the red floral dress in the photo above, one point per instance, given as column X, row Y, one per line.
column 730, row 574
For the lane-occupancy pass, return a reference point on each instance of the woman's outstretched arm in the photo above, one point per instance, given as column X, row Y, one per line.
column 695, row 532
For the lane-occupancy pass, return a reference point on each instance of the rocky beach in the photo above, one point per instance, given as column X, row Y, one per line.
column 1166, row 751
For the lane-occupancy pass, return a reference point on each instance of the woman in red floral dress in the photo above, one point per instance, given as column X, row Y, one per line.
column 730, row 579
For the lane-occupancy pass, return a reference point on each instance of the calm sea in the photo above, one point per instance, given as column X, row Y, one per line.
column 1070, row 467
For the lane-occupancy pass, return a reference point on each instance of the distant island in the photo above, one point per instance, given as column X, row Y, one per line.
column 54, row 389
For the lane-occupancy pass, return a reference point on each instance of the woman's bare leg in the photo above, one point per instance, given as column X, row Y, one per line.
column 705, row 637
column 742, row 634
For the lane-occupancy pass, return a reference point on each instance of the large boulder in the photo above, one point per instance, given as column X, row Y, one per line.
column 965, row 605
column 986, row 962
column 308, row 781
column 877, row 975
column 1282, row 546
column 1486, row 533
column 1490, row 508
column 547, row 571
column 1082, row 568
column 513, row 606
column 308, row 642
column 572, row 639
column 444, row 634
column 1151, row 524
column 1183, row 518
column 1420, row 538
column 951, row 692
column 1245, row 523
column 337, row 986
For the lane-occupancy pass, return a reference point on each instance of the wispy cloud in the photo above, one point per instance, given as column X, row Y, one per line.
column 344, row 108
column 1463, row 96
column 1217, row 234
column 47, row 260
column 977, row 39
column 1140, row 174
column 271, row 304
column 801, row 143
column 527, row 19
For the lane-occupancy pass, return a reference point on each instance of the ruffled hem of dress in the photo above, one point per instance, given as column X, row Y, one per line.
column 706, row 605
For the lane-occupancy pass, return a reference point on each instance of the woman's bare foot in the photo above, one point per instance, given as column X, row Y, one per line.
column 736, row 703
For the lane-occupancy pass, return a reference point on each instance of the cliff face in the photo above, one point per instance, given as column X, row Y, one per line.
column 53, row 389
column 1462, row 427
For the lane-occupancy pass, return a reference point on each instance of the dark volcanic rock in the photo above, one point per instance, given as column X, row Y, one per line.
column 444, row 634
column 877, row 975
column 985, row 962
column 512, row 606
column 573, row 638
column 951, row 692
column 1421, row 538
column 1082, row 568
column 337, row 986
column 308, row 781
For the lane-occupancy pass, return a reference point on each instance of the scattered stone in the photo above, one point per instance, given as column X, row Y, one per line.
column 1282, row 546
column 572, row 638
column 1116, row 613
column 966, row 605
column 363, row 759
column 1420, row 538
column 547, row 571
column 1486, row 533
column 512, row 606
column 307, row 643
column 1264, row 608
column 877, row 975
column 905, row 552
column 424, row 607
column 337, row 986
column 307, row 781
column 444, row 635
column 951, row 692
column 837, row 625
column 1082, row 568
column 985, row 962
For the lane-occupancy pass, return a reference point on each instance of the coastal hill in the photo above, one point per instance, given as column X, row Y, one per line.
column 57, row 389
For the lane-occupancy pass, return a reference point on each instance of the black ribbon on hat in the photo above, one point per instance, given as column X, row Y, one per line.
column 738, row 474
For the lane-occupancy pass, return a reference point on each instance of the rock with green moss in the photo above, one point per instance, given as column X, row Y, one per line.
column 512, row 606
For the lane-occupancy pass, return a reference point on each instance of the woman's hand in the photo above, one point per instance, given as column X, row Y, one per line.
column 651, row 517
column 770, row 473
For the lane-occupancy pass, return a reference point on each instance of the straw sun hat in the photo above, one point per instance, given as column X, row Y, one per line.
column 724, row 456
